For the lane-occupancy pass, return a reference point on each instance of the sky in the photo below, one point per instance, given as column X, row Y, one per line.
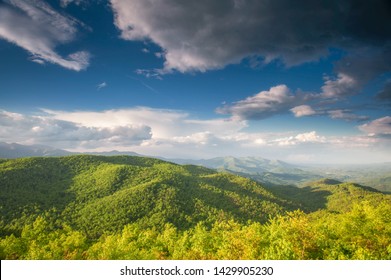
column 304, row 82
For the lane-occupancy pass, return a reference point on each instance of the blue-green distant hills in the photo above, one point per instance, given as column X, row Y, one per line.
column 262, row 170
column 276, row 172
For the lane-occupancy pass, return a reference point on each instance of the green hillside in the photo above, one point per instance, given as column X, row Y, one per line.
column 124, row 207
column 329, row 194
column 97, row 194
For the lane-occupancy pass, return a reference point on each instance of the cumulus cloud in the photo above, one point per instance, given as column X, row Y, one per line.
column 308, row 137
column 40, row 129
column 36, row 27
column 165, row 124
column 344, row 85
column 171, row 133
column 280, row 100
column 378, row 127
column 303, row 110
column 276, row 100
column 136, row 126
column 203, row 35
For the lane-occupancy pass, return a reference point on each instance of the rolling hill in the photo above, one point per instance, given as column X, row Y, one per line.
column 97, row 193
column 265, row 171
column 128, row 207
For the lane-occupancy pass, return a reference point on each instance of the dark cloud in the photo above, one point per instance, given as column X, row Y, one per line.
column 357, row 69
column 346, row 115
column 384, row 95
column 202, row 35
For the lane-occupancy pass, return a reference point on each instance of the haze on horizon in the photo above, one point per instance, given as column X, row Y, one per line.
column 303, row 83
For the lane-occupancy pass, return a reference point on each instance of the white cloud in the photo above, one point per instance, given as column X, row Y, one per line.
column 308, row 137
column 165, row 124
column 378, row 127
column 38, row 28
column 172, row 134
column 302, row 110
column 344, row 85
column 199, row 138
column 39, row 129
column 101, row 85
column 276, row 100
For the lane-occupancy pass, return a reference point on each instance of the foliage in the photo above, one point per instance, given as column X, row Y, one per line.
column 95, row 207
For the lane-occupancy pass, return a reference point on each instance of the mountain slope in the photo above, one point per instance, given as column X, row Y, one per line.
column 122, row 207
column 269, row 172
column 330, row 195
column 97, row 194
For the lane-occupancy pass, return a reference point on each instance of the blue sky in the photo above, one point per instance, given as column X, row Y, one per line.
column 308, row 83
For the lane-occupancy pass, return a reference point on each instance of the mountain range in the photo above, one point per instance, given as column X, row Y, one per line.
column 133, row 207
column 268, row 172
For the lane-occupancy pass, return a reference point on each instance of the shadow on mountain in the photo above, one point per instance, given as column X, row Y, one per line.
column 310, row 199
column 30, row 187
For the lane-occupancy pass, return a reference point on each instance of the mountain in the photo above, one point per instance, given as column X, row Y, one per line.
column 131, row 207
column 266, row 171
column 98, row 193
column 111, row 153
column 329, row 194
column 249, row 165
column 376, row 175
column 14, row 150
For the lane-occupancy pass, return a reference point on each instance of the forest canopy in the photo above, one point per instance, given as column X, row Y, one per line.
column 122, row 207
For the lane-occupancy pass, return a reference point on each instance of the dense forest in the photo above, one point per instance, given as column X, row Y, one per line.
column 127, row 207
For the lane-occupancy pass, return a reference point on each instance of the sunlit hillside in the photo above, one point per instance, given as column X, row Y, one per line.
column 123, row 207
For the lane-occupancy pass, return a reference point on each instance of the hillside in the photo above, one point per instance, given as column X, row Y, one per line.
column 96, row 193
column 126, row 207
column 265, row 171
column 377, row 176
column 330, row 195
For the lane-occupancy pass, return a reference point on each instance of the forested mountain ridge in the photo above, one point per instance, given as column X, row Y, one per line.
column 99, row 207
column 97, row 193
column 265, row 171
